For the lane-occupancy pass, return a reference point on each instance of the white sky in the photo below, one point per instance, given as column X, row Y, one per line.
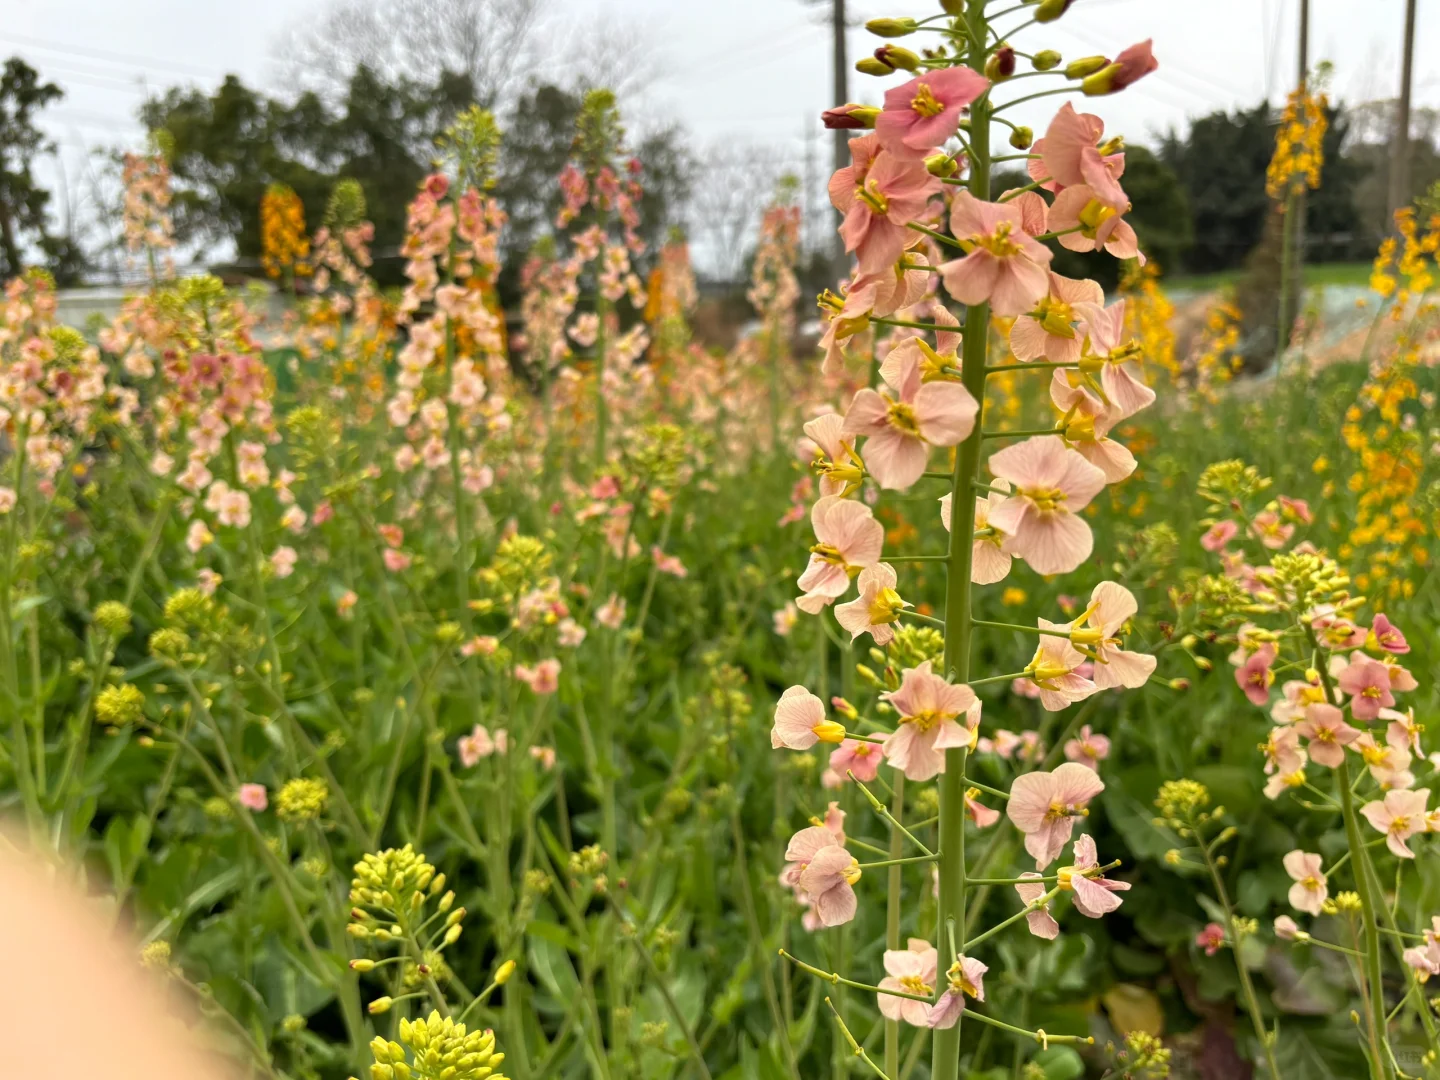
column 754, row 70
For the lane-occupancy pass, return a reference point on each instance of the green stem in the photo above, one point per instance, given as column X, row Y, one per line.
column 945, row 1063
column 894, row 899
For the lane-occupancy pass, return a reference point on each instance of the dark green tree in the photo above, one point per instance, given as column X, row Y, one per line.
column 24, row 205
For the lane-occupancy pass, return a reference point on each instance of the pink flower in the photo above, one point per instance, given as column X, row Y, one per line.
column 1400, row 816
column 569, row 634
column 1211, row 939
column 829, row 881
column 929, row 707
column 800, row 721
column 1296, row 509
column 891, row 193
column 345, row 605
column 1044, row 806
column 395, row 561
column 208, row 581
column 784, row 619
column 1254, row 675
column 545, row 755
column 543, row 678
column 1006, row 266
column 1286, row 929
column 478, row 744
column 1069, row 156
column 283, row 560
column 911, row 970
column 1388, row 762
column 807, row 842
column 978, row 812
column 924, row 112
column 1309, row 892
column 1110, row 346
column 853, row 756
column 1328, row 734
column 989, row 561
column 1218, row 535
column 1042, row 923
column 1111, row 607
column 1087, row 421
column 1385, row 635
column 1094, row 895
column 611, row 613
column 1086, row 221
column 1055, row 670
column 965, row 976
column 1368, row 684
column 1270, row 530
column 1051, row 483
column 668, row 564
column 253, row 798
column 198, row 536
column 876, row 608
column 848, row 539
column 1047, row 330
column 1088, row 748
column 835, row 459
column 900, row 430
column 1134, row 64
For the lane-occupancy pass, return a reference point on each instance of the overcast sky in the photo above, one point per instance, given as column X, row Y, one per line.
column 755, row 70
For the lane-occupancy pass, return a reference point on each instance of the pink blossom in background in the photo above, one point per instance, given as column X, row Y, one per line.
column 1368, row 684
column 611, row 613
column 784, row 619
column 395, row 561
column 1296, row 509
column 1309, row 891
column 476, row 745
column 829, row 880
column 1254, row 676
column 1211, row 939
column 207, row 581
column 1088, row 748
column 854, row 756
column 543, row 678
column 345, row 604
column 545, row 755
column 668, row 564
column 253, row 797
column 1286, row 929
column 1218, row 535
column 198, row 536
column 1327, row 733
column 965, row 976
column 282, row 561
column 1044, row 806
column 1271, row 531
column 1006, row 268
column 1386, row 636
column 911, row 970
column 1069, row 155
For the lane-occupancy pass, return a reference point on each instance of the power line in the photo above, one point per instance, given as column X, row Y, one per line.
column 107, row 55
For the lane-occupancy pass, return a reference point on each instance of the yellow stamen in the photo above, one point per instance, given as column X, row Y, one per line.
column 925, row 103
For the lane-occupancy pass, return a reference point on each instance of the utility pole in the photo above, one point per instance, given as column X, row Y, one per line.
column 1400, row 151
column 807, row 201
column 840, row 91
column 1302, row 79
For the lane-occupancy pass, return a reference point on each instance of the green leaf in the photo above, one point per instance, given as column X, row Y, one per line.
column 1060, row 1063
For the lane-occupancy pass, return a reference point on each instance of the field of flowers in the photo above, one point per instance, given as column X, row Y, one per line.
column 439, row 691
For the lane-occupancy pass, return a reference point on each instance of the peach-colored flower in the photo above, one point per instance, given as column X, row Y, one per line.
column 1088, row 748
column 1327, row 733
column 1286, row 929
column 1218, row 535
column 848, row 539
column 1042, row 923
column 784, row 619
column 1399, row 816
column 1047, row 330
column 253, row 797
column 911, row 970
column 1388, row 762
column 545, row 755
column 668, row 564
column 198, row 536
column 1006, row 267
column 929, row 707
column 901, row 429
column 854, row 756
column 208, row 581
column 800, row 721
column 1086, row 221
column 1110, row 348
column 543, row 678
column 965, row 976
column 1309, row 891
column 1094, row 895
column 829, row 880
column 611, row 613
column 395, row 561
column 1271, row 531
column 1044, row 806
column 877, row 607
column 835, row 460
column 283, row 560
column 1051, row 484
column 1368, row 684
column 1055, row 669
column 880, row 204
column 922, row 113
column 989, row 561
column 1386, row 636
column 1069, row 154
column 476, row 745
column 1211, row 939
column 1254, row 675
column 345, row 605
column 1111, row 607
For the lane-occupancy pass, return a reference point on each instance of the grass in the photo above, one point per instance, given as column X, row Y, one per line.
column 1337, row 273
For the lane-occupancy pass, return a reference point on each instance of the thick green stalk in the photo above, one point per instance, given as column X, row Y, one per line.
column 1375, row 1022
column 946, row 1061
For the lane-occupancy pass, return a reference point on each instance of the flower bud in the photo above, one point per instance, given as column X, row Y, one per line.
column 869, row 65
column 941, row 165
column 1102, row 82
column 1050, row 10
column 1087, row 65
column 1045, row 60
column 891, row 28
column 1179, row 684
column 828, row 731
column 1022, row 138
column 503, row 973
column 362, row 965
column 844, row 708
column 953, row 7
column 380, row 1005
column 850, row 116
column 1001, row 64
column 898, row 58
column 453, row 934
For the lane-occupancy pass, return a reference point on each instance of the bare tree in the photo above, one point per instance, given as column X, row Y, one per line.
column 489, row 40
column 733, row 183
column 606, row 50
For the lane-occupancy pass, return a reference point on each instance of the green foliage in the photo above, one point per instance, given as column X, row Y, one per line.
column 24, row 206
